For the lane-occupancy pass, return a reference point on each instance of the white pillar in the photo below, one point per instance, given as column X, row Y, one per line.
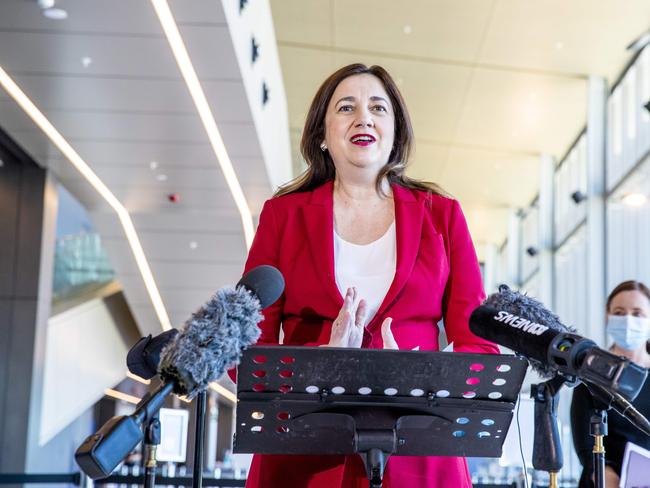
column 596, row 131
column 489, row 268
column 513, row 248
column 545, row 229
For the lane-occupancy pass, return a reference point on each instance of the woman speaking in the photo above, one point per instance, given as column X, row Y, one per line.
column 371, row 258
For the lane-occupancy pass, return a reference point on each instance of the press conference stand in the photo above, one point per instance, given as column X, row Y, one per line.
column 374, row 403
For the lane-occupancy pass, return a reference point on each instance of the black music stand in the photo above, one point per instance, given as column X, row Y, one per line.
column 375, row 403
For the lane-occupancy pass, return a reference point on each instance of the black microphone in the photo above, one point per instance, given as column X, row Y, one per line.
column 522, row 324
column 264, row 282
column 208, row 343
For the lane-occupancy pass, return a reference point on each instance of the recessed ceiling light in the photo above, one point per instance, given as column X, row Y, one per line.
column 55, row 13
column 161, row 177
column 86, row 61
column 634, row 199
column 408, row 29
column 559, row 45
column 46, row 3
column 153, row 164
column 194, row 245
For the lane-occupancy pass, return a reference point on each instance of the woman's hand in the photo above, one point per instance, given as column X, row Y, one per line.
column 611, row 478
column 387, row 335
column 347, row 328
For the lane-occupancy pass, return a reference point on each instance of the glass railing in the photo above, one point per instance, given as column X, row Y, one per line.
column 80, row 262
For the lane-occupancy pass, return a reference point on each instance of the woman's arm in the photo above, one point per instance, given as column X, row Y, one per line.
column 464, row 290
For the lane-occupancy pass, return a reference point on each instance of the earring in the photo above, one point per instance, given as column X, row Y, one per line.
column 323, row 147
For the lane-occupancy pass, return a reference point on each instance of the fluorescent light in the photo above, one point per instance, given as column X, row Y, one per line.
column 634, row 199
column 135, row 377
column 122, row 396
column 125, row 219
column 224, row 392
column 198, row 96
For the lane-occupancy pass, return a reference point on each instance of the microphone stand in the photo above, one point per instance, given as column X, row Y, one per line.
column 605, row 400
column 547, row 449
column 151, row 442
column 197, row 474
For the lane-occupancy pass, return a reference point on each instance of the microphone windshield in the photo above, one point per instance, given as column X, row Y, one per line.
column 265, row 282
column 211, row 341
column 522, row 305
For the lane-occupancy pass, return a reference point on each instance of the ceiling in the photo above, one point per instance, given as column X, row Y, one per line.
column 129, row 115
column 490, row 84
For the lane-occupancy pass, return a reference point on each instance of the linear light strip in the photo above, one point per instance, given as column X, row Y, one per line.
column 137, row 378
column 224, row 392
column 122, row 396
column 125, row 219
column 200, row 101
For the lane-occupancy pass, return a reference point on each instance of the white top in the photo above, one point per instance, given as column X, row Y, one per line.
column 369, row 267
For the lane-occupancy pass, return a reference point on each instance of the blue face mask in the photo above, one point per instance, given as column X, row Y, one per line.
column 628, row 331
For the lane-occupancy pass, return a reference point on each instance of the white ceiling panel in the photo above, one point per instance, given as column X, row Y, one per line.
column 522, row 112
column 582, row 36
column 227, row 98
column 303, row 20
column 197, row 11
column 175, row 220
column 444, row 29
column 112, row 55
column 212, row 52
column 97, row 16
column 213, row 245
column 98, row 126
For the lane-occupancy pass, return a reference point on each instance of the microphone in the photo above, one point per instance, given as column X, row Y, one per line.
column 522, row 324
column 213, row 339
column 264, row 282
column 207, row 344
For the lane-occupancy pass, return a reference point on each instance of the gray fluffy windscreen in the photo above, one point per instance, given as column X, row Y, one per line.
column 524, row 306
column 211, row 341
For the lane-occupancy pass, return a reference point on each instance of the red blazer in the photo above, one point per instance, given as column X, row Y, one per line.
column 437, row 277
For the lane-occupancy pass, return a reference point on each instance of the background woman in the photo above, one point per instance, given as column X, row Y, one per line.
column 628, row 324
column 371, row 259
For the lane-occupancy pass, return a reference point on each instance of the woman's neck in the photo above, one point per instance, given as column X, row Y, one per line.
column 640, row 356
column 359, row 191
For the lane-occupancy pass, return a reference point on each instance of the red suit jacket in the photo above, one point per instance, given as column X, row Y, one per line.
column 437, row 277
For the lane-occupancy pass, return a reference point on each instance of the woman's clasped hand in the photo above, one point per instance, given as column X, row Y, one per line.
column 348, row 326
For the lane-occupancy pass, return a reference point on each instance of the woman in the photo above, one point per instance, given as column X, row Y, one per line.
column 371, row 258
column 628, row 324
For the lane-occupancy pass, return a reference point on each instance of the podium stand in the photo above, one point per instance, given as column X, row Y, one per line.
column 375, row 403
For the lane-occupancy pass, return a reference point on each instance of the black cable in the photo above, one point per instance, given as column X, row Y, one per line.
column 521, row 448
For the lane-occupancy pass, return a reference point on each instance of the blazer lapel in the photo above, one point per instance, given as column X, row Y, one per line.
column 318, row 217
column 408, row 229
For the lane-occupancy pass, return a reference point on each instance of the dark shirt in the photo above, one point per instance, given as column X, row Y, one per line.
column 620, row 431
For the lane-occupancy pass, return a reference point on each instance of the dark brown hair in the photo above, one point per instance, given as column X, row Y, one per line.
column 320, row 167
column 629, row 285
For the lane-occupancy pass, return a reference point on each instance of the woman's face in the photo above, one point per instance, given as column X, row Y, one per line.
column 360, row 123
column 631, row 302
